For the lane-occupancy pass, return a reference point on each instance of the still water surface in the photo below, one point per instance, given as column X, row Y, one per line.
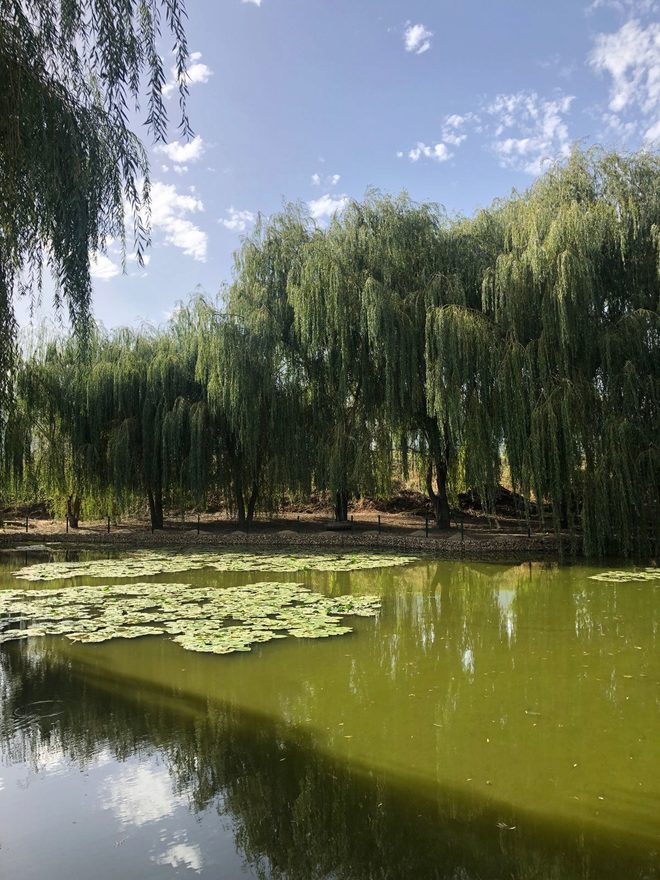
column 493, row 722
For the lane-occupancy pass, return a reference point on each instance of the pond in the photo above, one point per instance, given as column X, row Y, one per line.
column 488, row 722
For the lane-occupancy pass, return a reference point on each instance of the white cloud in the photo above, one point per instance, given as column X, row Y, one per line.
column 327, row 206
column 453, row 128
column 168, row 215
column 525, row 131
column 625, row 7
column 197, row 72
column 328, row 179
column 238, row 221
column 417, row 38
column 530, row 131
column 182, row 153
column 631, row 57
column 102, row 268
column 453, row 134
column 438, row 152
column 614, row 125
column 652, row 135
column 255, row 2
column 180, row 169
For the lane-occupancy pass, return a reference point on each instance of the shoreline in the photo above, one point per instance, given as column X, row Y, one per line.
column 445, row 545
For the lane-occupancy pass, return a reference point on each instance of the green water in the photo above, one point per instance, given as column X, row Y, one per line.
column 493, row 722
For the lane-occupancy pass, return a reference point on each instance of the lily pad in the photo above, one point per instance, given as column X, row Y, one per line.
column 145, row 563
column 629, row 576
column 206, row 619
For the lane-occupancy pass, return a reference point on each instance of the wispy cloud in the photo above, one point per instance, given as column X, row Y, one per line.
column 635, row 8
column 417, row 38
column 631, row 57
column 238, row 221
column 181, row 153
column 169, row 215
column 524, row 130
column 198, row 72
column 327, row 206
column 254, row 2
column 530, row 131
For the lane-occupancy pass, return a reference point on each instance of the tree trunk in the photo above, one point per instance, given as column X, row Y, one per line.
column 252, row 503
column 341, row 506
column 438, row 460
column 155, row 508
column 442, row 512
column 240, row 500
column 438, row 496
column 73, row 510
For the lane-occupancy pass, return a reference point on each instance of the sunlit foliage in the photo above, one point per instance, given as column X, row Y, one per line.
column 396, row 341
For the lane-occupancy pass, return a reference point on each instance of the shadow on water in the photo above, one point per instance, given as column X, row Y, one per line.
column 295, row 811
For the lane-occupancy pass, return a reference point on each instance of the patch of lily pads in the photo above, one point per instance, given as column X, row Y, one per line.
column 143, row 563
column 623, row 577
column 205, row 619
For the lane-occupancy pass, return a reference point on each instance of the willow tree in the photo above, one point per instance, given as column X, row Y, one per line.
column 251, row 364
column 324, row 288
column 364, row 294
column 69, row 162
column 51, row 450
column 123, row 424
column 147, row 399
column 407, row 262
column 575, row 294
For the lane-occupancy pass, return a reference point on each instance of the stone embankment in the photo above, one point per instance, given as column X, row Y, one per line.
column 449, row 545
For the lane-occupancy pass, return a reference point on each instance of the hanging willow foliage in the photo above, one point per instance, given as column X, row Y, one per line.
column 69, row 162
column 574, row 293
column 526, row 337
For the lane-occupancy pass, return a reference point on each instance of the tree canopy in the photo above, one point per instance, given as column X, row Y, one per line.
column 522, row 341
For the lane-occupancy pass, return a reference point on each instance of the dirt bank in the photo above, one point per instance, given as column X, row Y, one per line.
column 394, row 533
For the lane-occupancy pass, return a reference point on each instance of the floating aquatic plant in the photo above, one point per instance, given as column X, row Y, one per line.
column 622, row 577
column 146, row 563
column 206, row 619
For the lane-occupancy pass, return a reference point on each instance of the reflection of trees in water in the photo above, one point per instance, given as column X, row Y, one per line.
column 297, row 813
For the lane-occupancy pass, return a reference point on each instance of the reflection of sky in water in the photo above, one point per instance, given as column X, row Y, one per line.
column 505, row 599
column 180, row 853
column 126, row 818
column 139, row 794
column 468, row 660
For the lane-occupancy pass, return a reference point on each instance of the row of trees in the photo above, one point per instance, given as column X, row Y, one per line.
column 395, row 340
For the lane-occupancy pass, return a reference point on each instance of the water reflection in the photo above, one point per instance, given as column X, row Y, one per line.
column 470, row 732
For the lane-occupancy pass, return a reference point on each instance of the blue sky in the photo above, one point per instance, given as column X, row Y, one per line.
column 454, row 101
